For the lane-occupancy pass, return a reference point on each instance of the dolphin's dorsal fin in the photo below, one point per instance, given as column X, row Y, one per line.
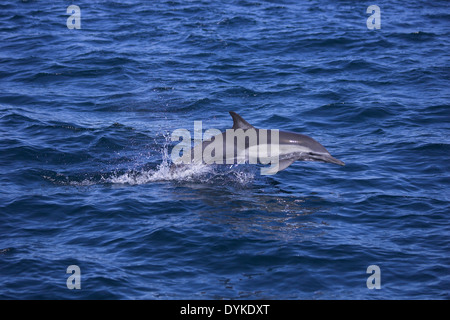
column 239, row 122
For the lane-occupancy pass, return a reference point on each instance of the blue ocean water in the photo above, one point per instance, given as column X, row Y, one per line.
column 85, row 122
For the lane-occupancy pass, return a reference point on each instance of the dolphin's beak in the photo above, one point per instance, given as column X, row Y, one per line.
column 336, row 161
column 328, row 158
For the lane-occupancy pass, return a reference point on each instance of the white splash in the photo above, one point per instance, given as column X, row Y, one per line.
column 164, row 172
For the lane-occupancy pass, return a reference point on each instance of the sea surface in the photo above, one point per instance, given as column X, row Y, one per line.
column 87, row 114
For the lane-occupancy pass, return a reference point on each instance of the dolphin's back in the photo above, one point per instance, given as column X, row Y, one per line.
column 286, row 137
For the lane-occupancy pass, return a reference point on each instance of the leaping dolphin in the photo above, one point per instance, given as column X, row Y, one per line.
column 246, row 144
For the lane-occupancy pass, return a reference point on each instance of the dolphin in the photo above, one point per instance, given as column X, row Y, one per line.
column 244, row 143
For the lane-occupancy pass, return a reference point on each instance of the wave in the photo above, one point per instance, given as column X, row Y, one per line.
column 165, row 171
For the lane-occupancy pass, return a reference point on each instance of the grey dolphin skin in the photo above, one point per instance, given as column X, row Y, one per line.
column 246, row 143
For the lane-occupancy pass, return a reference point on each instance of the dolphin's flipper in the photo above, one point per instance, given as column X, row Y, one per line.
column 273, row 169
column 239, row 122
column 285, row 163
